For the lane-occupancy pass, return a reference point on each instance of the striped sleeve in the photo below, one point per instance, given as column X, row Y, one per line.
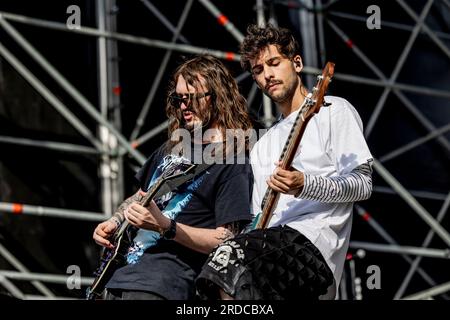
column 351, row 187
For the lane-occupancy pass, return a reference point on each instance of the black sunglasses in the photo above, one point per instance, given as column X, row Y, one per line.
column 177, row 99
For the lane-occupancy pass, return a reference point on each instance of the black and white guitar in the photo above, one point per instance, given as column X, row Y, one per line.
column 175, row 172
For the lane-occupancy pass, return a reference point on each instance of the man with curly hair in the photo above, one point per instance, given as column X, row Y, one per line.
column 301, row 255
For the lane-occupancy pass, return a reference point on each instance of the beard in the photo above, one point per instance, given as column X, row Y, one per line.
column 286, row 91
column 201, row 121
column 194, row 126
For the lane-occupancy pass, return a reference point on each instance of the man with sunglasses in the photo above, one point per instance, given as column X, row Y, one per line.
column 175, row 232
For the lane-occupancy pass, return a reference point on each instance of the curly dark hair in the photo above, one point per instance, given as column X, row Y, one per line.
column 258, row 38
column 229, row 107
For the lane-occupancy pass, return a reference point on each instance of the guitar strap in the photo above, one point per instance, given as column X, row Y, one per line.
column 171, row 185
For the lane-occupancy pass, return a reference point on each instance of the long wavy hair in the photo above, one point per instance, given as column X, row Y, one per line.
column 228, row 108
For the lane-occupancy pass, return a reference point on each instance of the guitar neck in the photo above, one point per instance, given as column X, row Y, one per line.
column 311, row 105
column 287, row 156
column 295, row 135
column 143, row 200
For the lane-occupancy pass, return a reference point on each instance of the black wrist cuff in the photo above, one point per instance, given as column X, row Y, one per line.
column 170, row 233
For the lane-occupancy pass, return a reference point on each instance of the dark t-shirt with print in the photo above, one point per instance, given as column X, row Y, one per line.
column 217, row 196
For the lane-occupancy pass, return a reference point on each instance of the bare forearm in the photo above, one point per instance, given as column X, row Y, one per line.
column 197, row 239
column 151, row 218
column 204, row 240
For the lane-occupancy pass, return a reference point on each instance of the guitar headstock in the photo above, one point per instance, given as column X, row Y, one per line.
column 321, row 86
column 172, row 165
column 170, row 168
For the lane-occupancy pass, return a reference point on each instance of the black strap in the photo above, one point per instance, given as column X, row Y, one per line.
column 171, row 185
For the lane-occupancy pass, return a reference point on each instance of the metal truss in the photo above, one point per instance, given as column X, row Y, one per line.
column 111, row 145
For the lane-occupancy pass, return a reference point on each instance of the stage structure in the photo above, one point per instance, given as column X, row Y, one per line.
column 319, row 22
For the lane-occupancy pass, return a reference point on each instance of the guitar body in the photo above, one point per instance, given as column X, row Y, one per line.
column 174, row 174
column 111, row 260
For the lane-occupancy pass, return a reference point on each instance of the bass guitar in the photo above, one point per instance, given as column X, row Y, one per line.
column 313, row 102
